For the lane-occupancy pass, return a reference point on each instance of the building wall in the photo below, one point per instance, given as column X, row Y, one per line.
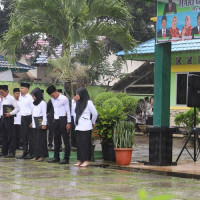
column 42, row 76
column 179, row 69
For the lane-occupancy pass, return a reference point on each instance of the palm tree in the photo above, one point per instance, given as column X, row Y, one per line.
column 70, row 21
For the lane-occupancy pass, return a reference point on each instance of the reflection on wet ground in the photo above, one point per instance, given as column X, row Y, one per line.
column 22, row 179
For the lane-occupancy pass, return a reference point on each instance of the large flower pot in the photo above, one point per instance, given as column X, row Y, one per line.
column 108, row 151
column 123, row 155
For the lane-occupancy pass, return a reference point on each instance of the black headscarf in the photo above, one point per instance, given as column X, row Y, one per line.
column 38, row 95
column 82, row 103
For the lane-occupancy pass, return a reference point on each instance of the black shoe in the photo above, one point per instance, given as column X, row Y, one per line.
column 54, row 160
column 65, row 161
column 28, row 156
column 21, row 157
column 50, row 146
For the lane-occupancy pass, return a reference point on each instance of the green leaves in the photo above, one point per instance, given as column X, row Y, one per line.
column 107, row 118
column 70, row 22
column 124, row 133
column 187, row 119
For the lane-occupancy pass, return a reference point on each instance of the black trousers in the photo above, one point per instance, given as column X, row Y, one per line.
column 60, row 130
column 40, row 143
column 8, row 136
column 17, row 129
column 27, row 135
column 83, row 145
column 51, row 131
column 73, row 133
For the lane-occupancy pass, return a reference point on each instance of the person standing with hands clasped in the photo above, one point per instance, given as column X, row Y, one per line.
column 85, row 118
column 39, row 125
column 9, row 108
column 62, row 124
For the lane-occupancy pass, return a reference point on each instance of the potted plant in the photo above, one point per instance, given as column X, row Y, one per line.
column 107, row 118
column 123, row 138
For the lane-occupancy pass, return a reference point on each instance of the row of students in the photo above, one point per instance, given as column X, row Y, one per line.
column 33, row 109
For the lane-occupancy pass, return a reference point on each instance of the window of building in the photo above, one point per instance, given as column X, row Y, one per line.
column 189, row 60
column 181, row 89
column 178, row 60
column 198, row 59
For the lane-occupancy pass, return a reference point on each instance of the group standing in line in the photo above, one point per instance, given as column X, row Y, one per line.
column 24, row 121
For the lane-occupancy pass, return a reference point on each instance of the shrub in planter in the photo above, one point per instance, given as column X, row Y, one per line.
column 100, row 98
column 123, row 138
column 129, row 104
column 107, row 118
column 112, row 102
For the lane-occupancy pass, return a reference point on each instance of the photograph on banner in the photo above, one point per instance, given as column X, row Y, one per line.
column 178, row 20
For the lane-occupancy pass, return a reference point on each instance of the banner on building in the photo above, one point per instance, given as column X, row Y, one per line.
column 178, row 20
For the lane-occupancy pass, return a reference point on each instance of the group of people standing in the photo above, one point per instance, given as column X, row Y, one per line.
column 23, row 121
column 144, row 111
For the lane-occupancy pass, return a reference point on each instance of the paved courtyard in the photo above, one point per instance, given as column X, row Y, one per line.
column 22, row 179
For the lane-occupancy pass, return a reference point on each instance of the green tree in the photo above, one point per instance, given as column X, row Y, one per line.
column 142, row 11
column 5, row 15
column 70, row 22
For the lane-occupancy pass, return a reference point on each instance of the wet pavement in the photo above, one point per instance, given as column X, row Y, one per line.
column 25, row 179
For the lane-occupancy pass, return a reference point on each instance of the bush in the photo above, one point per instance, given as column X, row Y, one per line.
column 112, row 102
column 129, row 104
column 107, row 118
column 120, row 95
column 100, row 98
column 187, row 119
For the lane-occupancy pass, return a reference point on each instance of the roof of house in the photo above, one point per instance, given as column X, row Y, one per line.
column 144, row 75
column 44, row 57
column 5, row 64
column 148, row 47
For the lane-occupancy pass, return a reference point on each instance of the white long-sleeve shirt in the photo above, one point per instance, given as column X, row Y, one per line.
column 73, row 107
column 61, row 107
column 17, row 119
column 40, row 111
column 9, row 100
column 26, row 104
column 84, row 122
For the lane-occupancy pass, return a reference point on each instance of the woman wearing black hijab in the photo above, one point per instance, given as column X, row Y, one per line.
column 39, row 125
column 84, row 125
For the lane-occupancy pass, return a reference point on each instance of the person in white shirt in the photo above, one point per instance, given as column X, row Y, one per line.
column 26, row 102
column 17, row 120
column 9, row 108
column 85, row 119
column 39, row 125
column 62, row 124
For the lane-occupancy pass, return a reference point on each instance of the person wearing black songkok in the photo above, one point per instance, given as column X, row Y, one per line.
column 39, row 125
column 62, row 124
column 84, row 125
column 9, row 108
column 26, row 102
